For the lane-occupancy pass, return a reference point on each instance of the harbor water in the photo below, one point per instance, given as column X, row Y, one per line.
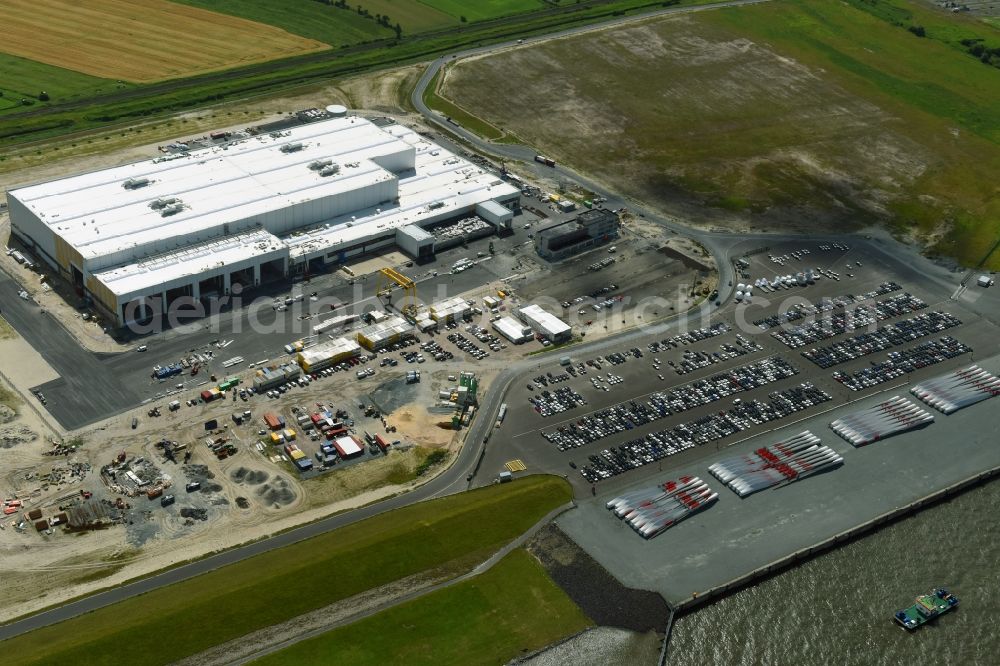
column 837, row 608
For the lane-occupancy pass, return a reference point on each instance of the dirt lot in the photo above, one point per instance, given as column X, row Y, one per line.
column 711, row 123
column 242, row 497
column 137, row 40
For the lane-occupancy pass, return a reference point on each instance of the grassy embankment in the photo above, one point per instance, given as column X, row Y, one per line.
column 511, row 609
column 446, row 536
column 467, row 120
column 50, row 120
column 806, row 113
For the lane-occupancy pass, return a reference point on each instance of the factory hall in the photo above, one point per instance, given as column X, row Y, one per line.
column 137, row 237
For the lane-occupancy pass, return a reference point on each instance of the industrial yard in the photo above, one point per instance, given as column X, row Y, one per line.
column 671, row 408
column 305, row 401
column 638, row 353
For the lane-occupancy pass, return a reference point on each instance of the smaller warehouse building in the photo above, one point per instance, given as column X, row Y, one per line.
column 589, row 229
column 385, row 332
column 416, row 242
column 325, row 354
column 496, row 214
column 347, row 447
column 548, row 326
column 267, row 378
column 512, row 329
column 450, row 309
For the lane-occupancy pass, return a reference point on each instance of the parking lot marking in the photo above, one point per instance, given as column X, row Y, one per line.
column 516, row 465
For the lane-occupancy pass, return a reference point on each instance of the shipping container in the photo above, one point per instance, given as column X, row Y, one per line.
column 272, row 421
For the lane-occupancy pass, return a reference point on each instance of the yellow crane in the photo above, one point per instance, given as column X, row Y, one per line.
column 388, row 279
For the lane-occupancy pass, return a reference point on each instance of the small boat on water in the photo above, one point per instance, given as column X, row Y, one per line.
column 926, row 608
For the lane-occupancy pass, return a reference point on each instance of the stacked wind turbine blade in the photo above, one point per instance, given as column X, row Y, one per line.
column 891, row 417
column 652, row 510
column 959, row 389
column 784, row 462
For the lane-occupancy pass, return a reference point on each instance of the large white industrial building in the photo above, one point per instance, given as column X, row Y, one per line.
column 136, row 237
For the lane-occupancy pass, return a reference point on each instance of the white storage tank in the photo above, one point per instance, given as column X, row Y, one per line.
column 337, row 111
column 739, row 296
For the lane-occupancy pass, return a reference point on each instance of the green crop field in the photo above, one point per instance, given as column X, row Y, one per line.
column 339, row 27
column 306, row 18
column 483, row 9
column 448, row 535
column 803, row 114
column 511, row 609
column 26, row 79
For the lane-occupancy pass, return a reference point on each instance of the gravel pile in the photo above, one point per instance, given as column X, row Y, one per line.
column 193, row 513
column 278, row 492
column 12, row 435
column 251, row 477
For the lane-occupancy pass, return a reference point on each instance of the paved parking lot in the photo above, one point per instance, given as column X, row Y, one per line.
column 125, row 379
column 736, row 536
column 621, row 401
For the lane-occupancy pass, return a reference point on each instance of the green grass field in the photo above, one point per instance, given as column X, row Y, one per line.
column 942, row 95
column 801, row 114
column 483, row 9
column 339, row 27
column 307, row 18
column 26, row 79
column 511, row 609
column 448, row 535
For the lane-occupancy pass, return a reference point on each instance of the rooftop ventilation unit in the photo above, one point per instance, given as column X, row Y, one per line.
column 436, row 205
column 135, row 183
column 172, row 209
column 331, row 170
column 163, row 202
column 320, row 164
column 292, row 147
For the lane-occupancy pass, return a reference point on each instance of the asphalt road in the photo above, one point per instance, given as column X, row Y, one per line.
column 460, row 475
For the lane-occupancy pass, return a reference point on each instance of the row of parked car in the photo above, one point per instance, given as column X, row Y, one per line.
column 900, row 363
column 468, row 346
column 658, row 445
column 893, row 335
column 492, row 341
column 695, row 360
column 632, row 413
column 803, row 310
column 844, row 321
column 682, row 339
column 554, row 402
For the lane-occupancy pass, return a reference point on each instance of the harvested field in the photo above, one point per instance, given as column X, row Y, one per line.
column 140, row 40
column 796, row 115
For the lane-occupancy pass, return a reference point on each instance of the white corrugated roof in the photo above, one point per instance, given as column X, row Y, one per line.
column 541, row 318
column 94, row 213
column 165, row 268
column 511, row 328
column 329, row 349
